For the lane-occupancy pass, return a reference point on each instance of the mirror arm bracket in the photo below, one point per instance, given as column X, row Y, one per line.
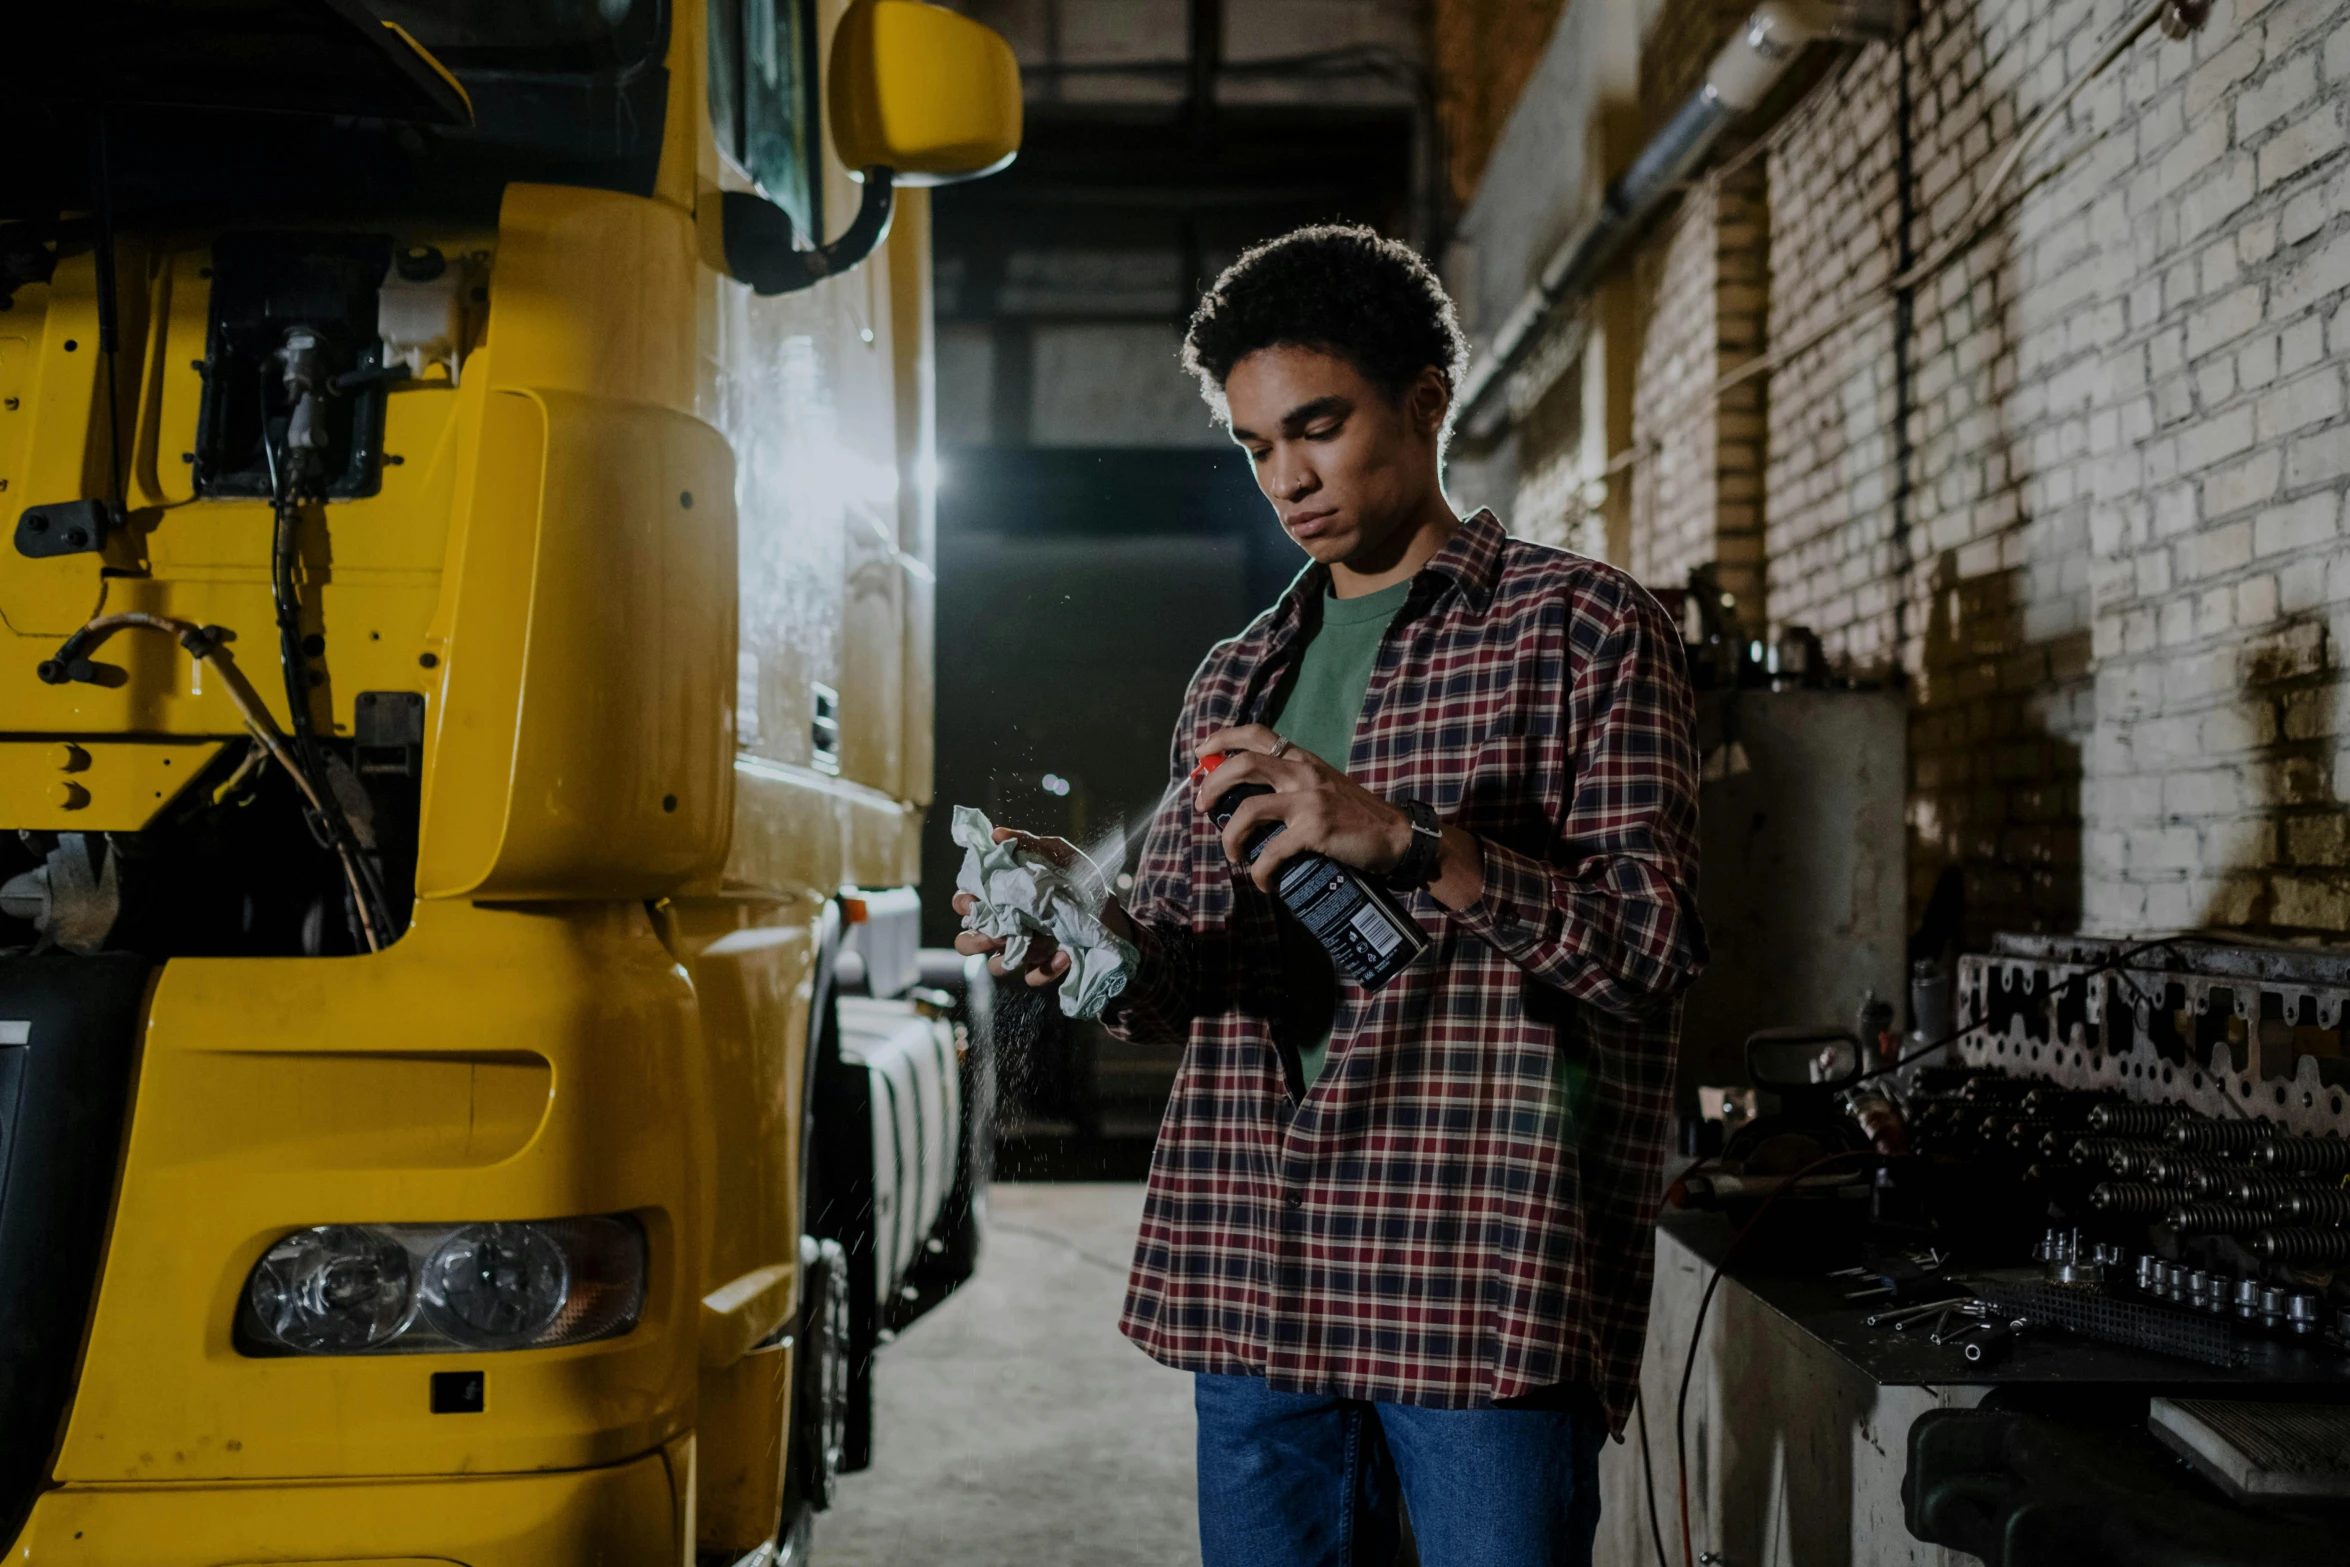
column 759, row 238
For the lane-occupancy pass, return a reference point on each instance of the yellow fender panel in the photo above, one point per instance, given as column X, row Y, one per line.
column 496, row 1063
column 623, row 1516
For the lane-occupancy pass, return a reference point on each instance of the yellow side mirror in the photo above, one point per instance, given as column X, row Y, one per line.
column 923, row 92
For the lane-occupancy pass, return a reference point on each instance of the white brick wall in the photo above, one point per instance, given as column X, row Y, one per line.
column 2218, row 646
column 1698, row 495
column 2119, row 578
column 2087, row 498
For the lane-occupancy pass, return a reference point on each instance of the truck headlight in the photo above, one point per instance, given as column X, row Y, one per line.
column 338, row 1289
column 411, row 1289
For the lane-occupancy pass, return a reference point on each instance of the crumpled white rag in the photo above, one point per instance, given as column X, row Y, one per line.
column 1020, row 896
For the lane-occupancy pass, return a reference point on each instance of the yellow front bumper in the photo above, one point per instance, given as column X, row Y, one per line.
column 628, row 1515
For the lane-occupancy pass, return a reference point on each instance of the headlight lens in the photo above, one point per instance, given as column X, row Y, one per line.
column 408, row 1289
column 498, row 1284
column 338, row 1289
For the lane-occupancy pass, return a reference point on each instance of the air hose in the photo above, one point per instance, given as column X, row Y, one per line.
column 206, row 644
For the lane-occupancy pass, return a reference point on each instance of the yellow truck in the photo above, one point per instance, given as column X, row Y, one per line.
column 468, row 1087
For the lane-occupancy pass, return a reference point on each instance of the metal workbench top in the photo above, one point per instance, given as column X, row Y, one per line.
column 1816, row 1305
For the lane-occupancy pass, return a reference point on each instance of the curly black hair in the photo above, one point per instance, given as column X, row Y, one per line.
column 1338, row 288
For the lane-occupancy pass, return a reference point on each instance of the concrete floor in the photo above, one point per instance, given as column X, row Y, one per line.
column 1014, row 1425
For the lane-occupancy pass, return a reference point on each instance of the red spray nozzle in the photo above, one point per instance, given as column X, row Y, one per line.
column 1208, row 764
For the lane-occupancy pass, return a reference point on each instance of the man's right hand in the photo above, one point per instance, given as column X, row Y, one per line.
column 1044, row 963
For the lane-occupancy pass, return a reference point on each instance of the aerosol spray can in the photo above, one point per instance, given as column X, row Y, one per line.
column 1369, row 937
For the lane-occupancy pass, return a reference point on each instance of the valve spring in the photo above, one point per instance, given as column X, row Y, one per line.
column 2071, row 1106
column 1996, row 1090
column 2126, row 1119
column 2204, row 1134
column 2132, row 1199
column 2214, row 1182
column 2217, row 1218
column 2134, row 1158
column 2061, row 1143
column 2276, row 1190
column 2190, row 1169
column 2322, row 1206
column 2027, row 1134
column 2303, row 1246
column 2330, row 1155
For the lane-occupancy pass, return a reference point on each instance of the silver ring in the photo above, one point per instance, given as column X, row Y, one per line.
column 1280, row 750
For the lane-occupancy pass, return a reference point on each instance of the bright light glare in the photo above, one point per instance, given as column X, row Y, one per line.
column 1055, row 784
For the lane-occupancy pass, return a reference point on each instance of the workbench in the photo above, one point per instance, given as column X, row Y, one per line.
column 1799, row 1413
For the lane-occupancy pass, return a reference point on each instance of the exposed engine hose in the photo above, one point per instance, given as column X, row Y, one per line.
column 309, row 765
column 207, row 644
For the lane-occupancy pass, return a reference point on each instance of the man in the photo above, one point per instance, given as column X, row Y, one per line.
column 1404, row 1236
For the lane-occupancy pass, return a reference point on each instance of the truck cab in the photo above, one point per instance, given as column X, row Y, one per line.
column 469, row 1090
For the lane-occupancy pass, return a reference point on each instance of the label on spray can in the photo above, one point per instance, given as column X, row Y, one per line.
column 1369, row 937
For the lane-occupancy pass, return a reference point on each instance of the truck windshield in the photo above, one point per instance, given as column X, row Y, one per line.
column 531, row 36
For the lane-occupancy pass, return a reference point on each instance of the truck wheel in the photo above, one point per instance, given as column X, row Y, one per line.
column 820, row 1379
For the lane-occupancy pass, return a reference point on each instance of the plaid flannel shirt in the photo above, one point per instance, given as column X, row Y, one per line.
column 1462, row 1207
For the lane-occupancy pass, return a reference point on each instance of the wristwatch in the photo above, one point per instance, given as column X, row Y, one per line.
column 1417, row 868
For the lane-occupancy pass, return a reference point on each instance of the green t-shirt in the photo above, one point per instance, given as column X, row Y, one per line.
column 1318, row 714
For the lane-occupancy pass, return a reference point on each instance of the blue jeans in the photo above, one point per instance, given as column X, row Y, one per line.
column 1310, row 1480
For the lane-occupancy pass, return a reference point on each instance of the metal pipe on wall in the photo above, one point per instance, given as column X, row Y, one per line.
column 1738, row 79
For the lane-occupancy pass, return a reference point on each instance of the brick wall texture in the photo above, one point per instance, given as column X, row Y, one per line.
column 1701, row 286
column 1482, row 52
column 2084, row 488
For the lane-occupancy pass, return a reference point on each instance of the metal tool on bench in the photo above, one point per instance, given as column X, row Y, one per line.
column 1982, row 1330
column 1896, row 1276
column 1901, row 1318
